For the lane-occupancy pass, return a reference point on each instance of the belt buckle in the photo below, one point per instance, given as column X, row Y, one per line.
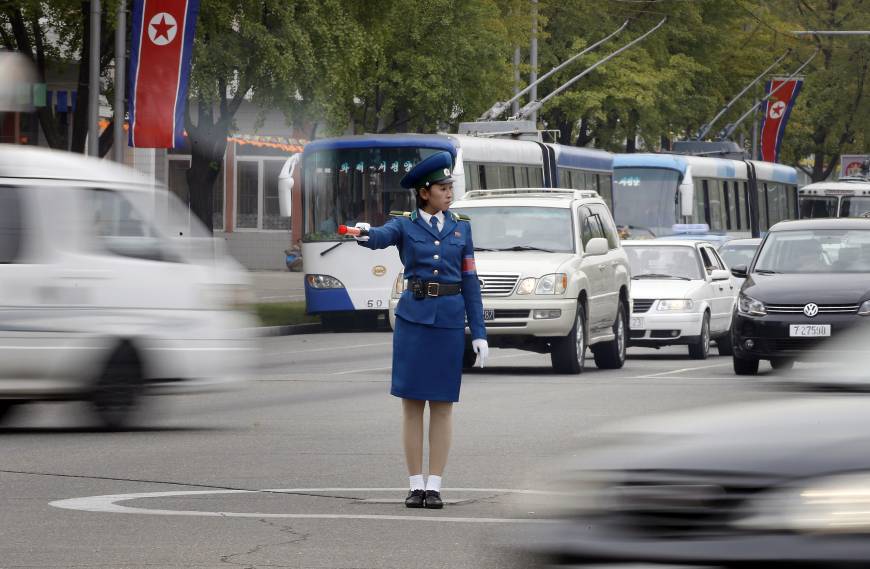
column 432, row 289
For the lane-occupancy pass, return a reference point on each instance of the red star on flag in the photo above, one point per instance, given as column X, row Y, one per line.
column 162, row 28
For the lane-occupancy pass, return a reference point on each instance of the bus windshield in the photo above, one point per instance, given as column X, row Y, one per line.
column 344, row 186
column 817, row 207
column 521, row 228
column 644, row 201
column 854, row 206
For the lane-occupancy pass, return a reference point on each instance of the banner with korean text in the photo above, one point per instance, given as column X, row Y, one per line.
column 776, row 112
column 162, row 45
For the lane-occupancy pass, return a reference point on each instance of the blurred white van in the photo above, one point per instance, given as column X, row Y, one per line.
column 110, row 289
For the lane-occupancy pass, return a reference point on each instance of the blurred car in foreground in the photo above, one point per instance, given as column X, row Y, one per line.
column 779, row 482
column 682, row 294
column 109, row 290
column 809, row 281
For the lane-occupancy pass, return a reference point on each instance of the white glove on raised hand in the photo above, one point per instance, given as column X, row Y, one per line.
column 362, row 225
column 481, row 348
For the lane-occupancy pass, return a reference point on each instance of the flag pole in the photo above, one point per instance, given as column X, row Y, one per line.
column 94, row 82
column 120, row 79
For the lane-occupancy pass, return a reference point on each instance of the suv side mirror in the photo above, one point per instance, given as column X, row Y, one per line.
column 720, row 275
column 597, row 246
column 740, row 271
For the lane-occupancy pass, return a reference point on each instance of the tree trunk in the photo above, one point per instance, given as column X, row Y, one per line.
column 584, row 133
column 208, row 143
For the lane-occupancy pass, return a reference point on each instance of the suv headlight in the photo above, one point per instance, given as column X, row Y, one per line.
column 555, row 283
column 526, row 286
column 323, row 281
column 676, row 305
column 748, row 305
column 399, row 286
column 864, row 310
column 839, row 503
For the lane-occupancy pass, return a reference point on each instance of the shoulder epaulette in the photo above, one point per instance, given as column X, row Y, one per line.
column 459, row 216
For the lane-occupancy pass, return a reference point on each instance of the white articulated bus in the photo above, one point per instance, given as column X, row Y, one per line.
column 653, row 193
column 356, row 178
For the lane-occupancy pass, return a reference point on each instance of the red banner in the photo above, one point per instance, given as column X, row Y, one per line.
column 776, row 112
column 160, row 54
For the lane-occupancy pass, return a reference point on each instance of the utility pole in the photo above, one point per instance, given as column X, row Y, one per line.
column 533, row 59
column 515, row 107
column 120, row 81
column 94, row 82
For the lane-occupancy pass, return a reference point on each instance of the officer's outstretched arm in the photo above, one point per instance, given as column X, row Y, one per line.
column 471, row 289
column 385, row 235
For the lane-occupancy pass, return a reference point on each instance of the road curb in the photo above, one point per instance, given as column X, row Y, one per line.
column 289, row 330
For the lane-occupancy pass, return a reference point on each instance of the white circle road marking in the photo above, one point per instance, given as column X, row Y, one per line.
column 109, row 504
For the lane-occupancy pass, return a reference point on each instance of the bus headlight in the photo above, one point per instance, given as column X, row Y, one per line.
column 323, row 281
column 555, row 283
column 748, row 305
column 526, row 286
column 676, row 305
column 399, row 286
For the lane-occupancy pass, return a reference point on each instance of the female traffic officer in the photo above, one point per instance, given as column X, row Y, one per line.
column 438, row 255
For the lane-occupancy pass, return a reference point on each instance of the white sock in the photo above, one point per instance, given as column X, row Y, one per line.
column 416, row 482
column 433, row 483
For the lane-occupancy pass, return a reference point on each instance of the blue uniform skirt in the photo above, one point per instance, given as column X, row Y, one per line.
column 427, row 361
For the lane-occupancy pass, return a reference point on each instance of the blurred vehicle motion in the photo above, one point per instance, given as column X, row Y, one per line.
column 682, row 293
column 109, row 289
column 781, row 482
column 809, row 281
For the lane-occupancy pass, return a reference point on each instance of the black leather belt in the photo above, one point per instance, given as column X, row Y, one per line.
column 421, row 289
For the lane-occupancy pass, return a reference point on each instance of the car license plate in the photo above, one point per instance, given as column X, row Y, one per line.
column 809, row 330
column 488, row 314
column 636, row 323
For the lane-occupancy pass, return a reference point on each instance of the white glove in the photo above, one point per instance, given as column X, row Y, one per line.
column 481, row 348
column 362, row 225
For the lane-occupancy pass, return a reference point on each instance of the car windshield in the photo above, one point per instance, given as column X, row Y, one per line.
column 815, row 251
column 521, row 228
column 664, row 261
column 734, row 255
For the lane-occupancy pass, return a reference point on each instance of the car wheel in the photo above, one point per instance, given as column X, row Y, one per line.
column 723, row 344
column 568, row 354
column 745, row 366
column 468, row 357
column 701, row 349
column 611, row 355
column 116, row 394
column 783, row 364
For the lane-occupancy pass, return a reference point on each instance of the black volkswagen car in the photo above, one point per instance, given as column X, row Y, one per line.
column 809, row 282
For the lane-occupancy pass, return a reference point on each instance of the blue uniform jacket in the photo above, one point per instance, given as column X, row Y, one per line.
column 445, row 257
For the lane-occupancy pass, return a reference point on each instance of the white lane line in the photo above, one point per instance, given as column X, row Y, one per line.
column 332, row 349
column 673, row 371
column 348, row 372
column 109, row 504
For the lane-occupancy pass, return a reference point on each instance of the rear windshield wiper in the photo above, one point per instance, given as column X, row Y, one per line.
column 660, row 276
column 525, row 248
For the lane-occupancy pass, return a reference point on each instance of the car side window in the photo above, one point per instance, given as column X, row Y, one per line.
column 607, row 224
column 709, row 258
column 121, row 229
column 11, row 225
column 718, row 259
column 590, row 226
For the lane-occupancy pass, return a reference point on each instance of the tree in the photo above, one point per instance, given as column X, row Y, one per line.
column 57, row 33
column 292, row 56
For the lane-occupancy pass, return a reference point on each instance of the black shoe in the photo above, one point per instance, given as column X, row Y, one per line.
column 432, row 500
column 414, row 499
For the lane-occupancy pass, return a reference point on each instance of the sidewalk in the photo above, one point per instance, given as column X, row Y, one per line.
column 278, row 286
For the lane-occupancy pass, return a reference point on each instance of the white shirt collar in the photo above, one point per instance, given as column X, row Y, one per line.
column 427, row 216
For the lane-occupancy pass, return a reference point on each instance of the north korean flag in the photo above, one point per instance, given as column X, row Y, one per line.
column 160, row 56
column 777, row 110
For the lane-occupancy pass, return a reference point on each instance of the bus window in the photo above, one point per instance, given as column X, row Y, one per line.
column 605, row 189
column 705, row 216
column 536, row 177
column 791, row 200
column 737, row 219
column 700, row 215
column 472, row 179
column 777, row 204
column 818, row 207
column 728, row 205
column 481, row 175
column 521, row 175
column 716, row 208
column 564, row 178
column 761, row 192
column 747, row 224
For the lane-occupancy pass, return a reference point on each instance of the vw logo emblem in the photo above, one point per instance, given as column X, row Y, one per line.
column 811, row 309
column 482, row 283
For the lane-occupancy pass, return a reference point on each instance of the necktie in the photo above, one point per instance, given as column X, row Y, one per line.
column 433, row 221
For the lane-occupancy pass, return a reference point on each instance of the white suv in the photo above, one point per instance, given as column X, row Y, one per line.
column 108, row 290
column 553, row 275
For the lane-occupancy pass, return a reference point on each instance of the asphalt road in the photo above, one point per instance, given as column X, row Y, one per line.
column 316, row 418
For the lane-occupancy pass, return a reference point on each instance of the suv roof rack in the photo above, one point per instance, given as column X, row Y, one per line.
column 529, row 192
